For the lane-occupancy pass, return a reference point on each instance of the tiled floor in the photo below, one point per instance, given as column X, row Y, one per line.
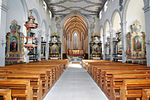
column 75, row 84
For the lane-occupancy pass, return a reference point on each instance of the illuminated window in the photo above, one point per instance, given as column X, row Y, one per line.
column 75, row 37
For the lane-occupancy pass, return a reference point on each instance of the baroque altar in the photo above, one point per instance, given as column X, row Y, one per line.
column 14, row 45
column 136, row 50
column 55, row 47
column 95, row 47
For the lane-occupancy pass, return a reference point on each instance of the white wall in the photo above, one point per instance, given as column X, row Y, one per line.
column 15, row 12
column 135, row 12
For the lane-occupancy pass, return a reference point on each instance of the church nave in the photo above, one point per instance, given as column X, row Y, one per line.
column 75, row 84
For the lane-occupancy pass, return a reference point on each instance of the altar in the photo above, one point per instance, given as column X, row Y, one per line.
column 75, row 56
column 74, row 52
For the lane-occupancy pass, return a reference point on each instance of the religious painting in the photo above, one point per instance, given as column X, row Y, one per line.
column 54, row 49
column 13, row 29
column 137, row 43
column 13, row 44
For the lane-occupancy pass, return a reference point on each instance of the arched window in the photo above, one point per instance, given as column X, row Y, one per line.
column 75, row 38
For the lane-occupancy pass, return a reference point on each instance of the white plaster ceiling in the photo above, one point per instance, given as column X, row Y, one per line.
column 86, row 7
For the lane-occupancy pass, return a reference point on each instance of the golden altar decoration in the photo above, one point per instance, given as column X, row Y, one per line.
column 136, row 50
column 95, row 46
column 55, row 46
column 78, row 52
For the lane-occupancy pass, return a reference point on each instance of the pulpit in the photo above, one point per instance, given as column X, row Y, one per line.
column 31, row 40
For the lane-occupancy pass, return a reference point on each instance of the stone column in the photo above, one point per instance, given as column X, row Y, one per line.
column 103, row 46
column 123, row 35
column 39, row 45
column 3, row 18
column 147, row 22
column 47, row 47
column 111, row 44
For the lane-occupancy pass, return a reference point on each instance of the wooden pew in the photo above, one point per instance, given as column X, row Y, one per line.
column 44, row 75
column 108, row 75
column 49, row 72
column 101, row 71
column 6, row 94
column 146, row 94
column 117, row 80
column 132, row 88
column 19, row 88
column 35, row 82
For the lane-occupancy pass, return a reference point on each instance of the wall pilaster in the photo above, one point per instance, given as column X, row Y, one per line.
column 3, row 18
column 147, row 20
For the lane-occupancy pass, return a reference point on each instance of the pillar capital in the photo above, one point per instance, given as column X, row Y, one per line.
column 146, row 6
column 3, row 5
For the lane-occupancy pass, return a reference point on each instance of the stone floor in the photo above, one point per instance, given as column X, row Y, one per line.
column 75, row 84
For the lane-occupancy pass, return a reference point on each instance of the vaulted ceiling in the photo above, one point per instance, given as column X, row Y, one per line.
column 85, row 7
column 75, row 23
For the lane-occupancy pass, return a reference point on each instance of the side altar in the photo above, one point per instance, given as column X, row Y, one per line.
column 136, row 50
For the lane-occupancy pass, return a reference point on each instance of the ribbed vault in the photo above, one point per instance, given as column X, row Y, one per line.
column 75, row 24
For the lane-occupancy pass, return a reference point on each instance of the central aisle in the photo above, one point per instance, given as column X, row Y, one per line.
column 75, row 84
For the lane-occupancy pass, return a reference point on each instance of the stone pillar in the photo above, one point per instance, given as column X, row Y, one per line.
column 111, row 44
column 147, row 22
column 103, row 46
column 123, row 37
column 39, row 45
column 3, row 18
column 47, row 47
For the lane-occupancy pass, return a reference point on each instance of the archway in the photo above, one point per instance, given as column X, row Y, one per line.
column 117, row 39
column 75, row 34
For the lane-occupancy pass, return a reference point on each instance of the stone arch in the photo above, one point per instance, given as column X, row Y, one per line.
column 126, row 10
column 72, row 24
column 116, row 20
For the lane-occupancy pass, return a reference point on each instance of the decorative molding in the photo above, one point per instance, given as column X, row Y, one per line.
column 59, row 7
column 3, row 7
column 120, row 4
column 146, row 5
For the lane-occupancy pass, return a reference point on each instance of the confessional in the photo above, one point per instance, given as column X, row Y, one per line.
column 136, row 50
column 14, row 45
